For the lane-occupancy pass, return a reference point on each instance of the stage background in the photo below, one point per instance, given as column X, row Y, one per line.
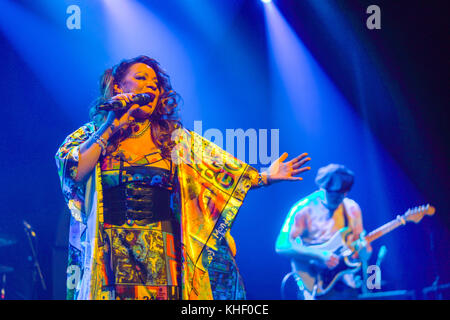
column 380, row 107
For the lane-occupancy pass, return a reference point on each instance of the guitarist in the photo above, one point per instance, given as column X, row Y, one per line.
column 316, row 218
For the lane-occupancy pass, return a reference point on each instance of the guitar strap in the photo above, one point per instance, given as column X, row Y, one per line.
column 346, row 218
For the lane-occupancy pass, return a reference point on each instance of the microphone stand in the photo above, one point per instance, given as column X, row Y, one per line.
column 364, row 266
column 31, row 234
column 434, row 285
column 381, row 254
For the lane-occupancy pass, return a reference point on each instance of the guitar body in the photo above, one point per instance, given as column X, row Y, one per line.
column 318, row 279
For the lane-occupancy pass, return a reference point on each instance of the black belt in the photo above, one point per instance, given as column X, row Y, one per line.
column 136, row 201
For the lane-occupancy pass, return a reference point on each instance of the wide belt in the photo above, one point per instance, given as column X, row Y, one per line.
column 136, row 202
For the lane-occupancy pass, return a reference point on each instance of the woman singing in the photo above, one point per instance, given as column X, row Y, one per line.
column 151, row 202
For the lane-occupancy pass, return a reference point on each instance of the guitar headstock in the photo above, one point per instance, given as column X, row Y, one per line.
column 416, row 214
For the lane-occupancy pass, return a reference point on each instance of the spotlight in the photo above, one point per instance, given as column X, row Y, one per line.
column 266, row 1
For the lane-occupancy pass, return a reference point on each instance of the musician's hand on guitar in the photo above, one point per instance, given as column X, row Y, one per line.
column 363, row 250
column 330, row 259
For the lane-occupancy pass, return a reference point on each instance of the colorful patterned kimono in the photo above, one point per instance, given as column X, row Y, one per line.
column 210, row 187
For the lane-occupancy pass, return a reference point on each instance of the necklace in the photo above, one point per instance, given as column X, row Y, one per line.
column 138, row 134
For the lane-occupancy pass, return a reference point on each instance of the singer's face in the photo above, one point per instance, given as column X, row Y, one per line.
column 141, row 78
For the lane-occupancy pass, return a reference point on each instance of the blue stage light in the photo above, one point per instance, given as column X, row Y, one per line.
column 266, row 1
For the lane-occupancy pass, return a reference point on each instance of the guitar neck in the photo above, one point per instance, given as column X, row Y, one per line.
column 384, row 229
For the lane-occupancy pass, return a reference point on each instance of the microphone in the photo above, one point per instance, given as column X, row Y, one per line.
column 381, row 254
column 29, row 228
column 141, row 99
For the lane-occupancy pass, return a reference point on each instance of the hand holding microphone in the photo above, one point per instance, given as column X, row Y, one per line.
column 122, row 107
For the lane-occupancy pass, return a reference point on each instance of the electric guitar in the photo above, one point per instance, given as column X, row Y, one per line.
column 317, row 279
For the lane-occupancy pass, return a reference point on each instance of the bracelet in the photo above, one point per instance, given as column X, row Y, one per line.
column 262, row 180
column 100, row 141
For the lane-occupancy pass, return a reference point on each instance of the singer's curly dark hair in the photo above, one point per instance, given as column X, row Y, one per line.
column 164, row 119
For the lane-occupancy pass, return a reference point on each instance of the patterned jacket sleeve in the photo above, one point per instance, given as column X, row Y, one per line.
column 67, row 158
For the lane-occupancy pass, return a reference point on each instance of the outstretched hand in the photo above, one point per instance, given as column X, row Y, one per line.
column 287, row 171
